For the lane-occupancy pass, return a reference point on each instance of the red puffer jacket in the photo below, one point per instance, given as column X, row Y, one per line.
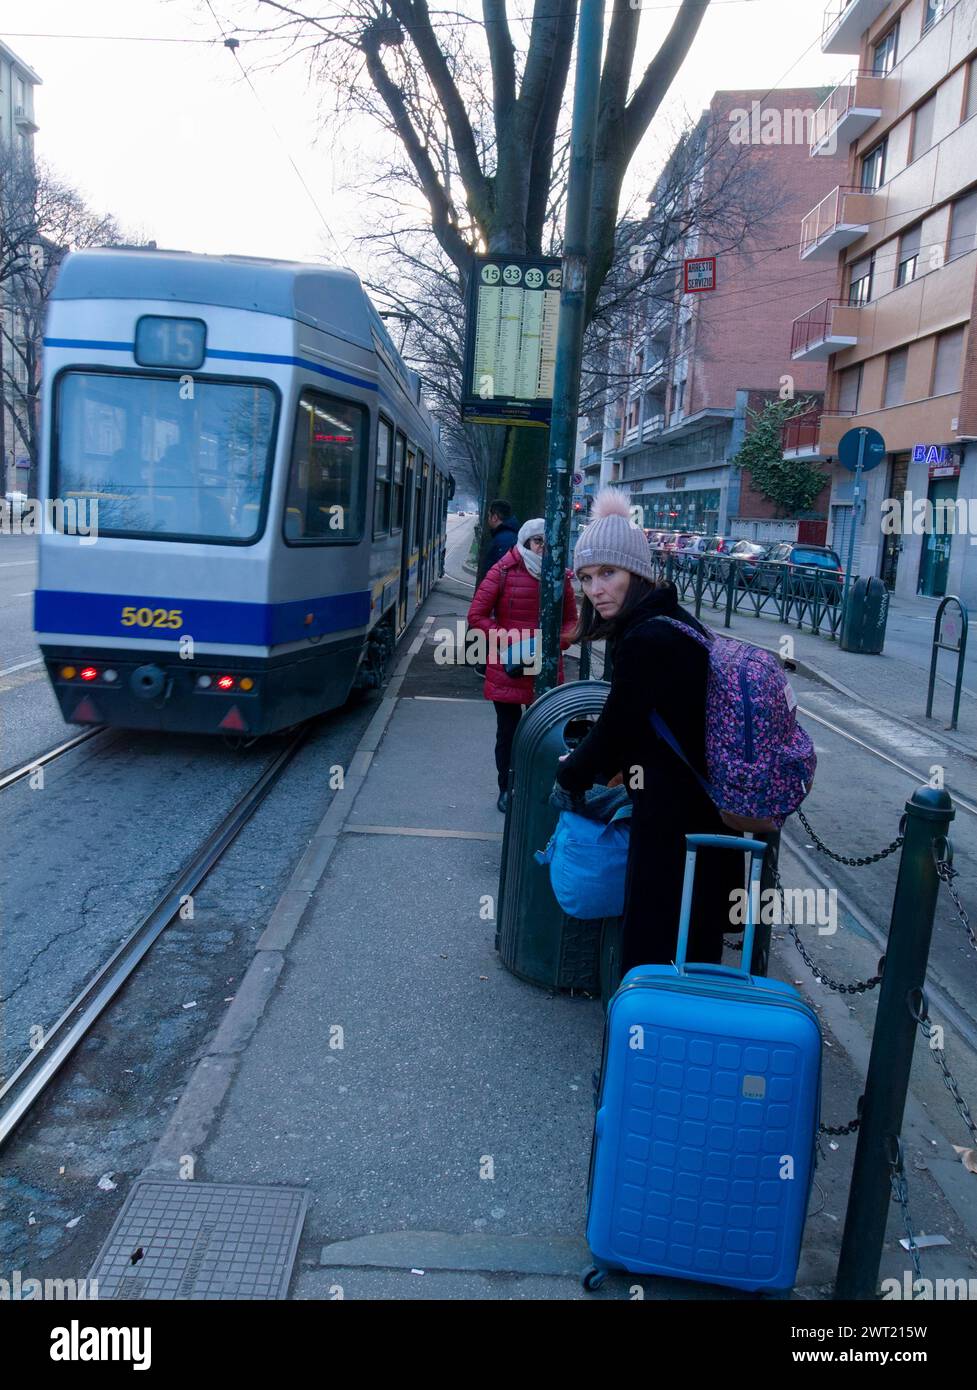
column 507, row 600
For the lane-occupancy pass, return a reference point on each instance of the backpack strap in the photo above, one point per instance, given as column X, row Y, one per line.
column 666, row 735
column 658, row 723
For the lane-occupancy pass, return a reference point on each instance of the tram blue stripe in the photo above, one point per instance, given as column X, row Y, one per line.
column 205, row 620
column 226, row 355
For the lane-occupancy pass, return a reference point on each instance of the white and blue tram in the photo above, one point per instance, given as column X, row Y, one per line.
column 267, row 489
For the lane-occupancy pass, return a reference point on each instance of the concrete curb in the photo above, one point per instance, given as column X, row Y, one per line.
column 204, row 1093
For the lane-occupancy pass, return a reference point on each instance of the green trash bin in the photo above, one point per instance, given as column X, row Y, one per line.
column 535, row 939
column 864, row 620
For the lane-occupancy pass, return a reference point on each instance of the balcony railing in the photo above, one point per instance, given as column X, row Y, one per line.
column 853, row 106
column 840, row 218
column 845, row 21
column 802, row 436
column 829, row 327
column 652, row 426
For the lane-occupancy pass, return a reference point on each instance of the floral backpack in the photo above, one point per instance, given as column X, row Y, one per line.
column 760, row 762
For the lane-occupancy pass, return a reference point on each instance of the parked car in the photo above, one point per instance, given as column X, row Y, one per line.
column 16, row 502
column 718, row 545
column 748, row 555
column 656, row 539
column 807, row 562
column 688, row 540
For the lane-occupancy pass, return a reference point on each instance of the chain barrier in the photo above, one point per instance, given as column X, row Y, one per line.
column 920, row 1012
column 852, row 861
column 946, row 873
column 900, row 1194
column 839, row 986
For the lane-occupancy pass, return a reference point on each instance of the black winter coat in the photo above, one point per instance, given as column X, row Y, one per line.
column 657, row 667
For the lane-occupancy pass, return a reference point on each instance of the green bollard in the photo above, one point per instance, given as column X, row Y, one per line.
column 928, row 816
column 730, row 590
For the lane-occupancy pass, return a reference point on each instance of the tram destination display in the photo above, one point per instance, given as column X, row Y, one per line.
column 510, row 339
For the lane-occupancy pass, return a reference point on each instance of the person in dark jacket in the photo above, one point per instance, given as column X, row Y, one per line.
column 506, row 609
column 654, row 667
column 505, row 533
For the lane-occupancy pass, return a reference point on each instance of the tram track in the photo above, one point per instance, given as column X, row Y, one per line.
column 41, row 1066
column 17, row 774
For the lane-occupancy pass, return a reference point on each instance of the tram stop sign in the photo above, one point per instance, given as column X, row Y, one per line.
column 873, row 454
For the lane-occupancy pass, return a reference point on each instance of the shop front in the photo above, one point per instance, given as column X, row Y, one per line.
column 940, row 517
column 692, row 509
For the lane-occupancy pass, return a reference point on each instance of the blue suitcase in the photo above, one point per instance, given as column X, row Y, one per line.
column 707, row 1119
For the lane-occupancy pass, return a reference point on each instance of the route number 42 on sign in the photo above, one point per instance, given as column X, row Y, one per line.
column 700, row 273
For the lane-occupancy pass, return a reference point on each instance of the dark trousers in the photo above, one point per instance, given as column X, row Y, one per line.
column 506, row 718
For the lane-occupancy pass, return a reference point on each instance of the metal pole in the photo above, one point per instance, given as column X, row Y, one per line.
column 569, row 341
column 928, row 816
column 961, row 653
column 934, row 657
column 854, row 522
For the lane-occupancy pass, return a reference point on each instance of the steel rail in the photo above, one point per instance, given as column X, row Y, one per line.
column 7, row 779
column 917, row 776
column 39, row 1068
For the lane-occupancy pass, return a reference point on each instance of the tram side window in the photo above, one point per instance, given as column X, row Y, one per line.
column 381, row 486
column 325, row 481
column 400, row 450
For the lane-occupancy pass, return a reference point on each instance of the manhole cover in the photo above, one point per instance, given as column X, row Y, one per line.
column 196, row 1240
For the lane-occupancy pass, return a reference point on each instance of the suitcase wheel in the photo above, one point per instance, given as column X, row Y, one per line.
column 592, row 1278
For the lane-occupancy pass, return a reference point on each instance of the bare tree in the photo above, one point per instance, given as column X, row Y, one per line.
column 474, row 108
column 42, row 218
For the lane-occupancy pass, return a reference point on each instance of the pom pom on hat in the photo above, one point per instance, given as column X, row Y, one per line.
column 610, row 501
column 612, row 538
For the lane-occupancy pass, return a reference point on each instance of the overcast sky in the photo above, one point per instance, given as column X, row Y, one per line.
column 170, row 139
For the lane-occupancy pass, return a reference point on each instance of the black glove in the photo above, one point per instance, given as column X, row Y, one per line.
column 564, row 800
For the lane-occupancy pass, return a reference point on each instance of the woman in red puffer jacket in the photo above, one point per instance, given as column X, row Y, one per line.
column 506, row 608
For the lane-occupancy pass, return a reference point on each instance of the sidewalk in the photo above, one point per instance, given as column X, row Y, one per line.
column 437, row 1109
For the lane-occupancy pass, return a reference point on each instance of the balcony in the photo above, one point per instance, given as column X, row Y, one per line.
column 839, row 219
column 829, row 327
column 845, row 21
column 815, row 434
column 24, row 121
column 652, row 426
column 852, row 107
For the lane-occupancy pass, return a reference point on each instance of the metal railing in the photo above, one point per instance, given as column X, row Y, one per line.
column 826, row 215
column 754, row 587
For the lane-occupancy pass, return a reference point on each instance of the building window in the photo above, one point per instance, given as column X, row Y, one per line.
column 860, row 283
column 873, row 168
column 923, row 122
column 908, row 255
column 949, row 359
column 963, row 226
column 884, row 56
column 849, row 388
column 933, row 11
column 895, row 377
column 971, row 107
column 679, row 401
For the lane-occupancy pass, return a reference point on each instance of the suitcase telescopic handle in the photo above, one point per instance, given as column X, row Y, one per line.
column 756, row 850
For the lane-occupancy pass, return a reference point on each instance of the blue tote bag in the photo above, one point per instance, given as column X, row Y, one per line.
column 588, row 862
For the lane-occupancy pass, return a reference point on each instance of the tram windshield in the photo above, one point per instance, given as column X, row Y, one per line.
column 164, row 458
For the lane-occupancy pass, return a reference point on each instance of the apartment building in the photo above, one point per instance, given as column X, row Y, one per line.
column 17, row 131
column 900, row 231
column 697, row 364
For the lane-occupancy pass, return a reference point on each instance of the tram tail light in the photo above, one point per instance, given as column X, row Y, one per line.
column 225, row 682
column 88, row 673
